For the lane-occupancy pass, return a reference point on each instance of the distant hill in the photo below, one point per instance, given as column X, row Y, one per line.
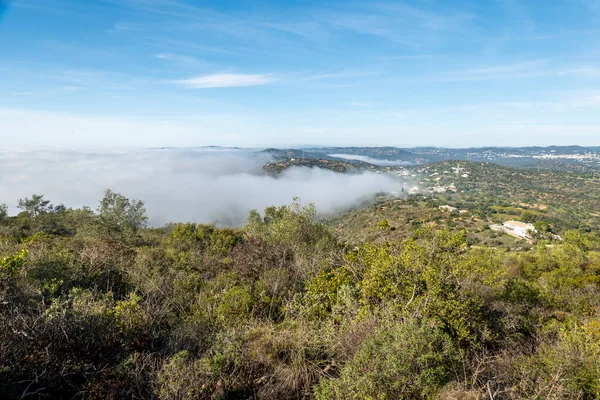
column 344, row 166
column 295, row 154
column 379, row 153
column 553, row 158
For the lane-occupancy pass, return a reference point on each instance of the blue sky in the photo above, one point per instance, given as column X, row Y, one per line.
column 122, row 73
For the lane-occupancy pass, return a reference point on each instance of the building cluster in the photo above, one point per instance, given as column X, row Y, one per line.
column 449, row 208
column 520, row 230
column 444, row 189
column 578, row 157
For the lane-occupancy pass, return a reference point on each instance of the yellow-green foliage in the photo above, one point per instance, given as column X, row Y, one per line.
column 203, row 238
column 224, row 300
column 383, row 225
column 322, row 291
column 128, row 314
column 10, row 265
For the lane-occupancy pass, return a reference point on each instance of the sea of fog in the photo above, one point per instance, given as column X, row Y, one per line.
column 180, row 185
column 371, row 160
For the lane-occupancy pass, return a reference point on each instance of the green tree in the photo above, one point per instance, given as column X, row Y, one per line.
column 119, row 217
column 37, row 206
column 39, row 215
column 3, row 212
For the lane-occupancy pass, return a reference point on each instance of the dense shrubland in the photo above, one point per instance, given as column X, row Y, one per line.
column 93, row 304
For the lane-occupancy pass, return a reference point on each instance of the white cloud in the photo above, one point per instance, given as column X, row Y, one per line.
column 226, row 80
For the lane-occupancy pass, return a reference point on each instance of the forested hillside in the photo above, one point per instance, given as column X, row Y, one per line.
column 481, row 194
column 94, row 304
column 569, row 199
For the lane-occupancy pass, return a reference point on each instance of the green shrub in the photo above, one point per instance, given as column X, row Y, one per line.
column 406, row 360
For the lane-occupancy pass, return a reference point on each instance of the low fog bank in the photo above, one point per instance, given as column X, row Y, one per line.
column 181, row 185
column 371, row 160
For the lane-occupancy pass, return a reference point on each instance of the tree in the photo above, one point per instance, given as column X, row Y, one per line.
column 542, row 227
column 119, row 217
column 3, row 212
column 39, row 215
column 36, row 206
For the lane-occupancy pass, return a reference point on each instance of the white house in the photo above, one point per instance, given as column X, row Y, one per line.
column 448, row 208
column 519, row 229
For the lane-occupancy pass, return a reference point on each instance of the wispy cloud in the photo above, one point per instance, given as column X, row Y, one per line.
column 187, row 46
column 494, row 72
column 508, row 68
column 225, row 80
column 525, row 69
column 344, row 74
column 582, row 71
column 178, row 58
column 400, row 23
column 25, row 93
column 428, row 19
column 124, row 27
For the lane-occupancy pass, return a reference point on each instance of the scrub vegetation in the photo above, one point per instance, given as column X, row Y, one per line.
column 94, row 304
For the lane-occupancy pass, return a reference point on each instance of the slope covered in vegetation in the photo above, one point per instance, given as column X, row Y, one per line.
column 95, row 305
column 567, row 200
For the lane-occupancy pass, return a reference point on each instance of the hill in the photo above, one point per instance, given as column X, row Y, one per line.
column 343, row 166
column 575, row 159
column 486, row 194
column 378, row 153
column 566, row 198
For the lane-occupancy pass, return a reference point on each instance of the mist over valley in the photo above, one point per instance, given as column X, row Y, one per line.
column 206, row 185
